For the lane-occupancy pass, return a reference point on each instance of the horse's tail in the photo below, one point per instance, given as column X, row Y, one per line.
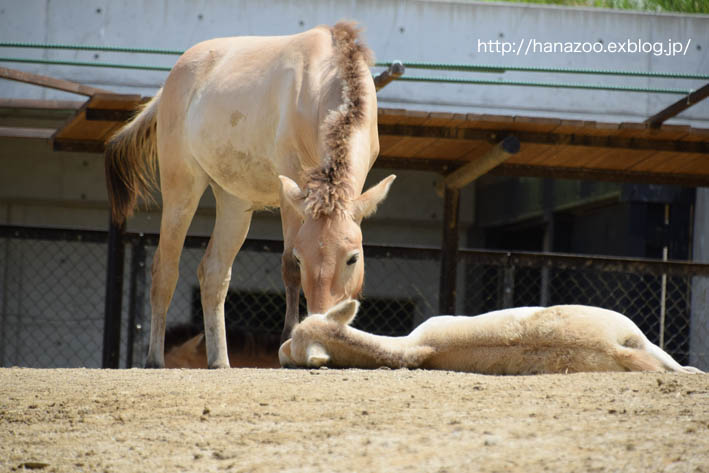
column 131, row 161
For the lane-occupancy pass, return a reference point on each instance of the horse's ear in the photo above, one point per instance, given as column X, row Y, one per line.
column 291, row 193
column 344, row 312
column 284, row 355
column 366, row 204
column 317, row 356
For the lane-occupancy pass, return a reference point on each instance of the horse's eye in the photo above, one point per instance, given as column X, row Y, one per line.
column 297, row 261
column 353, row 259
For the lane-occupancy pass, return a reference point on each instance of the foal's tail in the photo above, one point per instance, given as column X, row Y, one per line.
column 131, row 161
column 651, row 358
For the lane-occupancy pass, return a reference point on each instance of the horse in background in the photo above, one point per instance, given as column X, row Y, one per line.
column 185, row 347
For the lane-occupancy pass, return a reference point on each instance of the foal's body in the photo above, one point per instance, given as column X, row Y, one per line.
column 523, row 340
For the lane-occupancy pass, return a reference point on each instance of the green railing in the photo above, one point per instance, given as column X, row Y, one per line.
column 484, row 68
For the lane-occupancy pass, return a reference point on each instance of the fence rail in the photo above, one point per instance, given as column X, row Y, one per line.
column 53, row 293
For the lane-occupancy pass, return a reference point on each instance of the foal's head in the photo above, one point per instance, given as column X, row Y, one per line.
column 309, row 345
column 328, row 246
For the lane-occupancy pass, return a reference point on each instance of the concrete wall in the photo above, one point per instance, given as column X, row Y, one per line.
column 699, row 341
column 433, row 31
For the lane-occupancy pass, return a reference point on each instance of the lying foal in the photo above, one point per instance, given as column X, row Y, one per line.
column 523, row 340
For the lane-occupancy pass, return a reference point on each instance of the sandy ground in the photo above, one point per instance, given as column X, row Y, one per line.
column 350, row 420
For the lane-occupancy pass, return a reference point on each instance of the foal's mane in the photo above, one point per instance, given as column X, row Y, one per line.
column 327, row 187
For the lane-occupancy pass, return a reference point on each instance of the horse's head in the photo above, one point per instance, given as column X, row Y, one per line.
column 328, row 248
column 308, row 345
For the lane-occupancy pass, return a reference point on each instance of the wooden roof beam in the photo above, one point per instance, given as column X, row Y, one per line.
column 466, row 174
column 50, row 82
column 548, row 138
column 604, row 175
column 395, row 70
column 681, row 105
column 32, row 133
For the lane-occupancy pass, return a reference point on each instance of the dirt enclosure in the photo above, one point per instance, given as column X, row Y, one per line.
column 350, row 420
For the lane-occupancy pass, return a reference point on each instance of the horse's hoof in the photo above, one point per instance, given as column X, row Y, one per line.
column 219, row 366
column 150, row 365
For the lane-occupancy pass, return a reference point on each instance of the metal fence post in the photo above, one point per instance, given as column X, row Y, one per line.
column 449, row 253
column 114, row 297
column 136, row 310
column 452, row 184
column 508, row 287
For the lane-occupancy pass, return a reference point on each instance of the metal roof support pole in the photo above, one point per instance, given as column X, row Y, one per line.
column 449, row 252
column 136, row 310
column 114, row 297
column 451, row 210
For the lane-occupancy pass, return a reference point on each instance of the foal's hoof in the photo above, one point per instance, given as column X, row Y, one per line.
column 152, row 365
column 219, row 366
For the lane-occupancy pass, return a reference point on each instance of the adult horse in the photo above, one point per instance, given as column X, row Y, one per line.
column 287, row 121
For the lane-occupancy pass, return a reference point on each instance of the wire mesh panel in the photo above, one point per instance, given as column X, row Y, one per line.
column 639, row 296
column 52, row 301
column 53, row 290
column 660, row 304
column 399, row 293
column 255, row 302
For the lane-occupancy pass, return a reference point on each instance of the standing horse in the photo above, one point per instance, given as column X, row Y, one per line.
column 287, row 121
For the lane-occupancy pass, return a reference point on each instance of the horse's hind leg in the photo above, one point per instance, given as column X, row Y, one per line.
column 230, row 229
column 181, row 192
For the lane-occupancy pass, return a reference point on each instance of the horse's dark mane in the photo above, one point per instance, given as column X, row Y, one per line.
column 327, row 188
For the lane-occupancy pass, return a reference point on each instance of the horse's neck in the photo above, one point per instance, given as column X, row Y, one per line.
column 365, row 350
column 360, row 159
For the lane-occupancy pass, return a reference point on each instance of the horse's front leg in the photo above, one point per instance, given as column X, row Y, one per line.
column 291, row 279
column 290, row 271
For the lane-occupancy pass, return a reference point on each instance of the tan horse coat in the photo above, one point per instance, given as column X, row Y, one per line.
column 525, row 340
column 287, row 121
column 246, row 350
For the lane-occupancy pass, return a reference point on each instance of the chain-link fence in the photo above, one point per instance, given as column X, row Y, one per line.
column 657, row 296
column 52, row 297
column 53, row 293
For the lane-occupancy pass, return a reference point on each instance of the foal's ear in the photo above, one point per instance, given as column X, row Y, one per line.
column 366, row 204
column 344, row 312
column 291, row 193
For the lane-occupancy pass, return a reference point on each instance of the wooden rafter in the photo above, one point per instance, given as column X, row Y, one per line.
column 681, row 105
column 50, row 82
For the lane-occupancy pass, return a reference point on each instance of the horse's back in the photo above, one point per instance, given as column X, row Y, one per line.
column 249, row 108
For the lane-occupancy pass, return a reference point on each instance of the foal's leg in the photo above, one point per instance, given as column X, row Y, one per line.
column 180, row 200
column 230, row 229
column 291, row 221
